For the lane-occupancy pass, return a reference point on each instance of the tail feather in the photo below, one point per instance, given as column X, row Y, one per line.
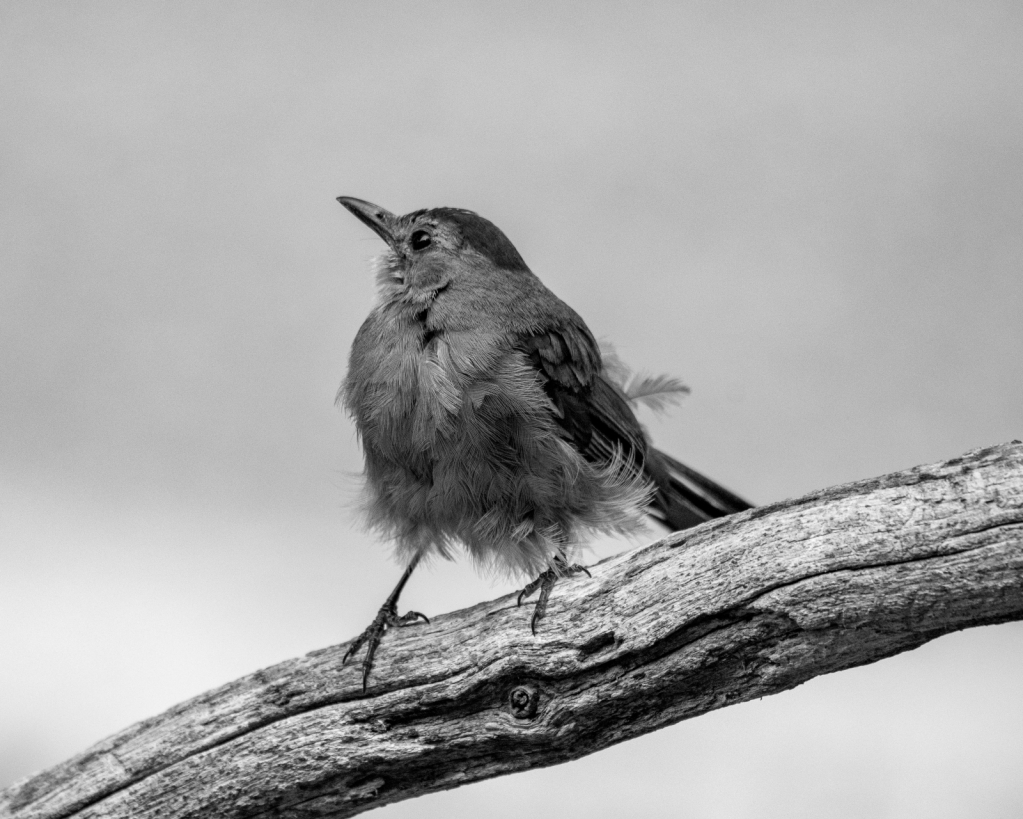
column 684, row 497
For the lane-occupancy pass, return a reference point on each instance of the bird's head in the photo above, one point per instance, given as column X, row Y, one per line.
column 431, row 251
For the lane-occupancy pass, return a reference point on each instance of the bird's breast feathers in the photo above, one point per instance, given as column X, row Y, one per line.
column 415, row 387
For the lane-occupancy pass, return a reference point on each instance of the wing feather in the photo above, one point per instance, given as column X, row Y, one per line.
column 593, row 414
column 596, row 416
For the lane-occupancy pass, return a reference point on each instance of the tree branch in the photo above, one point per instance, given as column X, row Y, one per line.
column 733, row 610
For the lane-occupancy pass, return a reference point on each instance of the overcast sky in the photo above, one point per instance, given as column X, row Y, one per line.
column 811, row 213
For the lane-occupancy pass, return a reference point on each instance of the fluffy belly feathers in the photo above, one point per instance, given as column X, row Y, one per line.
column 462, row 448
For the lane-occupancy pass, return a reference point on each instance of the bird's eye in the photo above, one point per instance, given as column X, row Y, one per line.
column 420, row 240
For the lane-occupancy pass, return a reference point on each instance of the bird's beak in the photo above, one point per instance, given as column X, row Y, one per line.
column 381, row 220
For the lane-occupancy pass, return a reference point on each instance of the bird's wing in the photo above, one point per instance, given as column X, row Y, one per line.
column 593, row 415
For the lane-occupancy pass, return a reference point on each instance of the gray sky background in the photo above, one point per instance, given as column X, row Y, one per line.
column 810, row 212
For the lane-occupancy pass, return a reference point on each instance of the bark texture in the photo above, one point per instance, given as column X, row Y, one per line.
column 735, row 609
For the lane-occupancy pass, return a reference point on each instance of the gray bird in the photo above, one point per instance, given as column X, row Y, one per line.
column 488, row 418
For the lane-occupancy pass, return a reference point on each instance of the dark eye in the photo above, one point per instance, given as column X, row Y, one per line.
column 420, row 239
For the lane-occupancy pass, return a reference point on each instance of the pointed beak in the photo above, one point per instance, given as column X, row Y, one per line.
column 381, row 220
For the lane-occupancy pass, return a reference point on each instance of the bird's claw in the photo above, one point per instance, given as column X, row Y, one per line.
column 386, row 618
column 545, row 583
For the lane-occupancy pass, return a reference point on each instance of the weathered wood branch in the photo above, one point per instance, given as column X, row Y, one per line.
column 735, row 609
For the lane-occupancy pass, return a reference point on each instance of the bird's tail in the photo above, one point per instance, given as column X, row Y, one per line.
column 684, row 497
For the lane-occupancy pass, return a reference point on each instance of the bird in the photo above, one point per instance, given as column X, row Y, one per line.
column 490, row 418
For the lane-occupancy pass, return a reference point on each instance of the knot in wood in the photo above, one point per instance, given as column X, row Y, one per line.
column 523, row 701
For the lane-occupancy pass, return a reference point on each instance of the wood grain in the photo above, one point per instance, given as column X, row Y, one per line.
column 735, row 609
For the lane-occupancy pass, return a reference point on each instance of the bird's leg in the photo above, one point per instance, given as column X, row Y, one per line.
column 560, row 567
column 385, row 619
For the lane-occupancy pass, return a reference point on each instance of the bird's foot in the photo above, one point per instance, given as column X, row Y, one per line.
column 545, row 582
column 386, row 618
